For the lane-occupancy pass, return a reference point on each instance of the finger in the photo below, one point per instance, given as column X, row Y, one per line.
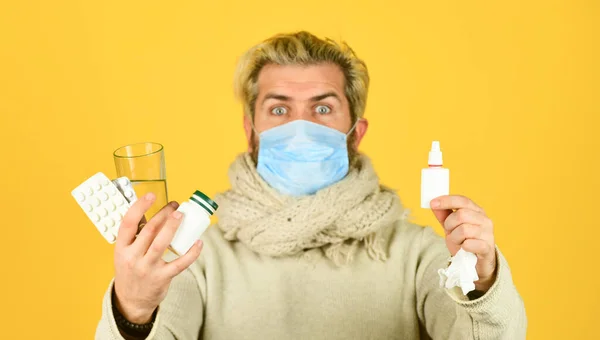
column 151, row 229
column 129, row 225
column 441, row 215
column 175, row 267
column 465, row 232
column 463, row 216
column 474, row 246
column 164, row 237
column 454, row 202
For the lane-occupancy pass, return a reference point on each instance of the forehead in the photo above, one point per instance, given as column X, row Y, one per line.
column 300, row 81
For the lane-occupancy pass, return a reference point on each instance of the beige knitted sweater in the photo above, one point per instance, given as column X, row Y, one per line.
column 236, row 291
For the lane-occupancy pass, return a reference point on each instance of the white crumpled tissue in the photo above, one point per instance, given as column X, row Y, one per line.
column 461, row 272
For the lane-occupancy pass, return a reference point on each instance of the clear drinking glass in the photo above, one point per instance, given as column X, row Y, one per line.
column 144, row 165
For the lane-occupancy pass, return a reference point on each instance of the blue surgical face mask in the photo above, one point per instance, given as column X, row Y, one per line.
column 301, row 157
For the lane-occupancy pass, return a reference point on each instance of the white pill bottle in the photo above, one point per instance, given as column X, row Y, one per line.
column 196, row 218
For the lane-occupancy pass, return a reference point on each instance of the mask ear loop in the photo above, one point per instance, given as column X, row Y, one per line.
column 353, row 127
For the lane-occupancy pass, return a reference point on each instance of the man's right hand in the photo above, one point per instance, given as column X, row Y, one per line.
column 142, row 277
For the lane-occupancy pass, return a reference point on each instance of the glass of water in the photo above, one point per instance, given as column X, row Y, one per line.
column 144, row 165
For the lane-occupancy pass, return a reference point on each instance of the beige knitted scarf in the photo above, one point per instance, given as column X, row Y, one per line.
column 338, row 219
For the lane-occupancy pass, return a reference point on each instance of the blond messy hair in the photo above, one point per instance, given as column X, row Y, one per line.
column 302, row 48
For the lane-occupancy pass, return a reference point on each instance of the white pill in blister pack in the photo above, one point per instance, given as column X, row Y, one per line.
column 126, row 189
column 103, row 203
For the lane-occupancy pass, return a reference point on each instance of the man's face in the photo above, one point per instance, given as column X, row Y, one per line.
column 314, row 93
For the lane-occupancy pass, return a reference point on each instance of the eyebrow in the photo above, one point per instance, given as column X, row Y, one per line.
column 313, row 99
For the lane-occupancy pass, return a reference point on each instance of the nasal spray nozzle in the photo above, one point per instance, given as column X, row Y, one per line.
column 435, row 154
column 435, row 182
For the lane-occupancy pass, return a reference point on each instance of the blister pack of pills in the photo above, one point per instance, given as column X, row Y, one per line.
column 126, row 189
column 105, row 202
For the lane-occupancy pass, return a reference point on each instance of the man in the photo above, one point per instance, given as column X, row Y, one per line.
column 308, row 245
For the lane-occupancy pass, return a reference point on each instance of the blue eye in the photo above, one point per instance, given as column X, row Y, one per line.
column 322, row 109
column 278, row 111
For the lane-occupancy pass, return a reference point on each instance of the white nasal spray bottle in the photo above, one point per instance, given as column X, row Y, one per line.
column 435, row 179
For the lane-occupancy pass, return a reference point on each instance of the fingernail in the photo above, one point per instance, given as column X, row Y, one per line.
column 149, row 196
column 174, row 204
column 435, row 204
column 177, row 214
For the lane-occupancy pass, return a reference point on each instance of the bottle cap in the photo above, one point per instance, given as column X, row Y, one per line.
column 435, row 154
column 204, row 201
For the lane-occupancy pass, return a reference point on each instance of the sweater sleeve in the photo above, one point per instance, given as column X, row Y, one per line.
column 179, row 316
column 448, row 314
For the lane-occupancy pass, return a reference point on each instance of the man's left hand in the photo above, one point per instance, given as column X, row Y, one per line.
column 466, row 226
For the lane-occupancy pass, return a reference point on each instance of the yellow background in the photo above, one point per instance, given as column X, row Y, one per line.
column 509, row 88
